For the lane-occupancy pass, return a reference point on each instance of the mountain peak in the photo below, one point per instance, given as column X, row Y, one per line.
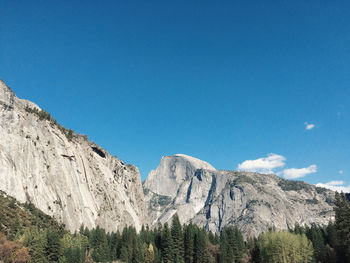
column 6, row 96
column 172, row 171
column 198, row 163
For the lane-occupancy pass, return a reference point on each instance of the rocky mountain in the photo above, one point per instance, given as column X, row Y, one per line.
column 197, row 192
column 62, row 173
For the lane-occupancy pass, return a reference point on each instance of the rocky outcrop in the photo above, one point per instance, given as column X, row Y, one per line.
column 215, row 198
column 62, row 173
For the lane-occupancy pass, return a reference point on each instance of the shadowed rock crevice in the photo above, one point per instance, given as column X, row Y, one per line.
column 98, row 151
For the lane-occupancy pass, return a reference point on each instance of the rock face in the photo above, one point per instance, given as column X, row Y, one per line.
column 215, row 198
column 62, row 173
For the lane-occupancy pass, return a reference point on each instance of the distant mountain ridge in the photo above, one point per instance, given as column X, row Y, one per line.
column 212, row 198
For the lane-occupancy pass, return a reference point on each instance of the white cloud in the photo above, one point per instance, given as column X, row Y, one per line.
column 263, row 165
column 336, row 183
column 309, row 126
column 294, row 173
column 341, row 171
column 335, row 186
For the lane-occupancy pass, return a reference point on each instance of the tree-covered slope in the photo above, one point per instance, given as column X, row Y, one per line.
column 16, row 216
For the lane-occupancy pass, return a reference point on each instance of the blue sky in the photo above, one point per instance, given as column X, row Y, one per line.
column 225, row 82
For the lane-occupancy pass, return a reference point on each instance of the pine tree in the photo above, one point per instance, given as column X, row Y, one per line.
column 167, row 245
column 342, row 225
column 114, row 243
column 100, row 246
column 189, row 243
column 124, row 254
column 53, row 245
column 178, row 240
column 138, row 256
column 158, row 236
column 332, row 238
column 238, row 244
column 201, row 253
column 318, row 244
column 36, row 242
column 81, row 229
column 227, row 255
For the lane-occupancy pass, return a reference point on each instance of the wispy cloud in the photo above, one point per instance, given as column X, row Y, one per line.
column 341, row 171
column 294, row 173
column 336, row 186
column 263, row 165
column 309, row 126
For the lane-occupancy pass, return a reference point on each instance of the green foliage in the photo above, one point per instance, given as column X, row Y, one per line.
column 321, row 190
column 243, row 179
column 177, row 238
column 288, row 185
column 319, row 246
column 36, row 241
column 45, row 241
column 53, row 245
column 284, row 247
column 313, row 201
column 201, row 253
column 44, row 115
column 167, row 245
column 342, row 225
column 124, row 256
column 98, row 241
column 189, row 232
column 16, row 217
column 231, row 244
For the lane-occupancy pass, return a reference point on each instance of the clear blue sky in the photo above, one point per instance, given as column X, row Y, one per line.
column 225, row 82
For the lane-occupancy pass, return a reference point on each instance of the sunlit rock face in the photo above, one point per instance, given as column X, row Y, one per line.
column 70, row 178
column 215, row 198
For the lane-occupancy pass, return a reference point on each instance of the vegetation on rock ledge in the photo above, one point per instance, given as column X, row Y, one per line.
column 44, row 115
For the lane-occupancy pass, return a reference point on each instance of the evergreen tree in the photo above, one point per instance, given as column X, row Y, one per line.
column 99, row 244
column 331, row 237
column 36, row 241
column 138, row 256
column 81, row 229
column 342, row 225
column 53, row 245
column 148, row 253
column 189, row 243
column 157, row 255
column 114, row 243
column 318, row 244
column 177, row 239
column 167, row 245
column 201, row 253
column 227, row 255
column 124, row 256
column 158, row 235
column 238, row 244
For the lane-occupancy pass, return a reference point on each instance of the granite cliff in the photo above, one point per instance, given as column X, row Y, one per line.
column 62, row 173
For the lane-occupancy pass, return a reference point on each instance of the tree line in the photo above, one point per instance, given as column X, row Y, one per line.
column 176, row 243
